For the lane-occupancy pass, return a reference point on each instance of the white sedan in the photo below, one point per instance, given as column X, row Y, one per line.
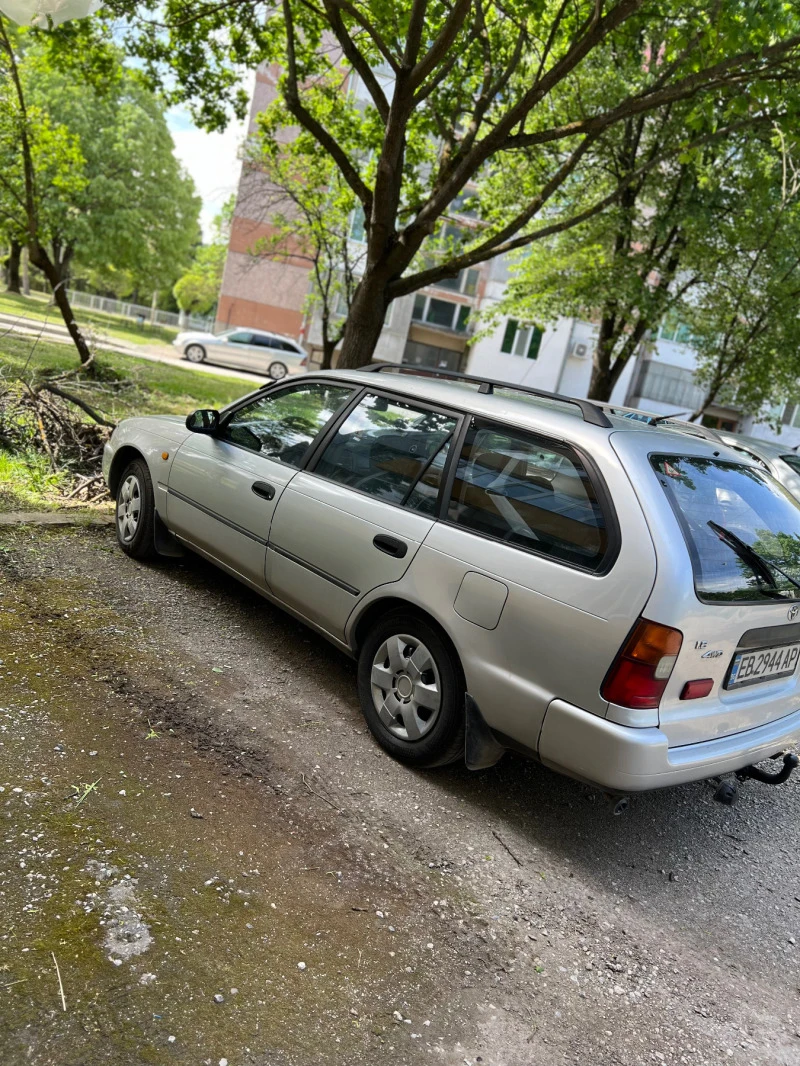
column 244, row 349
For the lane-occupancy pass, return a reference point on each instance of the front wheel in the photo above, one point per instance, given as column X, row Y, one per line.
column 136, row 511
column 195, row 353
column 277, row 371
column 412, row 691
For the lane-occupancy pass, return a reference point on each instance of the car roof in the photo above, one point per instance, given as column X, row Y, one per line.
column 554, row 417
column 769, row 448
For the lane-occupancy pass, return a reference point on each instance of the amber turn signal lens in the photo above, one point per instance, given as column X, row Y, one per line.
column 642, row 668
column 165, row 455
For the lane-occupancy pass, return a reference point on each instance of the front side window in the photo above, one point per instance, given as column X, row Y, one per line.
column 240, row 338
column 391, row 450
column 281, row 425
column 742, row 529
column 531, row 494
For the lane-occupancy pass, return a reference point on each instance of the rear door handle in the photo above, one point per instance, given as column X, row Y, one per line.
column 261, row 488
column 390, row 545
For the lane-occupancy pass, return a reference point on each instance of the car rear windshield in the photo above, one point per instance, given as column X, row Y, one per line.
column 742, row 529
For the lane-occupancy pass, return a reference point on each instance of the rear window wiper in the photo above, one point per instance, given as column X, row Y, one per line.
column 761, row 566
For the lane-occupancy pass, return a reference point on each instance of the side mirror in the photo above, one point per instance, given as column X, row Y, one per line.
column 203, row 421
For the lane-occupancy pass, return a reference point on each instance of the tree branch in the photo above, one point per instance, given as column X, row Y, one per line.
column 314, row 127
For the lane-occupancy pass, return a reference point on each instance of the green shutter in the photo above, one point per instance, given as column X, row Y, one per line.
column 508, row 337
column 536, row 343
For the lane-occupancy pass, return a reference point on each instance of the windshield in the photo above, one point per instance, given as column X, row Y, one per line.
column 748, row 504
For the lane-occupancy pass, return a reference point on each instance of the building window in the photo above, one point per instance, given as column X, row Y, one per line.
column 791, row 415
column 672, row 329
column 358, row 228
column 521, row 340
column 441, row 313
column 466, row 282
column 669, row 384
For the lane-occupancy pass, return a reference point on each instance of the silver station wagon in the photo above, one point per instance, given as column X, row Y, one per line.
column 244, row 349
column 510, row 568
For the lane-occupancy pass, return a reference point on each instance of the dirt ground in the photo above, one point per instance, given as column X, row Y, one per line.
column 204, row 850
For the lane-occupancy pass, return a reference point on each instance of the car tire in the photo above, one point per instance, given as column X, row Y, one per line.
column 277, row 371
column 411, row 689
column 195, row 353
column 136, row 511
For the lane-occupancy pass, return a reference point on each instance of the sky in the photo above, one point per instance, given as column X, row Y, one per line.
column 212, row 159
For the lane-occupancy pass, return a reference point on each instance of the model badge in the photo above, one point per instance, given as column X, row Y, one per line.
column 792, row 613
column 711, row 654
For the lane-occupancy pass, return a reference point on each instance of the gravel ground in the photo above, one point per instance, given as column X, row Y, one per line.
column 204, row 846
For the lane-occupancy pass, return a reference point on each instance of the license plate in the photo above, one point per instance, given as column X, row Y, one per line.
column 763, row 665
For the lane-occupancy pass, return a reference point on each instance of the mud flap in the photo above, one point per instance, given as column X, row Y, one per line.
column 481, row 747
column 165, row 543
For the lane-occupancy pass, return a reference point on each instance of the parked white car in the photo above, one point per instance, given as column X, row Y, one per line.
column 510, row 568
column 244, row 349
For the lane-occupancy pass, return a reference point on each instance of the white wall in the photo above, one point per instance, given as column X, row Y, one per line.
column 555, row 369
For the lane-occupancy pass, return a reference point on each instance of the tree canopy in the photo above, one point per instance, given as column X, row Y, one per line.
column 198, row 289
column 87, row 171
column 420, row 102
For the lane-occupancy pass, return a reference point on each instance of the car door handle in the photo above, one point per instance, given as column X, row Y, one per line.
column 390, row 545
column 261, row 488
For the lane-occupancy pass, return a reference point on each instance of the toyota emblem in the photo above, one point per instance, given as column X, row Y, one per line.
column 793, row 612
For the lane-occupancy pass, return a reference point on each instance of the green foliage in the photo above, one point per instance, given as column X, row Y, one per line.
column 419, row 101
column 198, row 289
column 109, row 195
column 744, row 315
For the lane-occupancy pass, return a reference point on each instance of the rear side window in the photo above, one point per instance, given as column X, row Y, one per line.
column 392, row 450
column 529, row 493
column 742, row 529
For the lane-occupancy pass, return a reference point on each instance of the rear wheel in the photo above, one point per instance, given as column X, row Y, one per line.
column 195, row 353
column 277, row 371
column 411, row 691
column 136, row 510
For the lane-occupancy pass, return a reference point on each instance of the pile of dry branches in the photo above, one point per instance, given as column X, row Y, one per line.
column 47, row 417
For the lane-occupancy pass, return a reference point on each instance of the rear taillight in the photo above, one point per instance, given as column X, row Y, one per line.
column 642, row 669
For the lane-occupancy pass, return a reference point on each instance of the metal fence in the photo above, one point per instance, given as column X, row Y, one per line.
column 135, row 311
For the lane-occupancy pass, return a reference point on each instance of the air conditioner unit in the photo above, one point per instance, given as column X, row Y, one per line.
column 579, row 351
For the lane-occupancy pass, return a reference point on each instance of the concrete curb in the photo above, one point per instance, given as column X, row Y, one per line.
column 54, row 518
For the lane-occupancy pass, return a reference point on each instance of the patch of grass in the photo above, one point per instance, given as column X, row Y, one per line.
column 123, row 385
column 35, row 308
column 27, row 483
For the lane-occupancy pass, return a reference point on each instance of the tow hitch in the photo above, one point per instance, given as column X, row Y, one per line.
column 728, row 790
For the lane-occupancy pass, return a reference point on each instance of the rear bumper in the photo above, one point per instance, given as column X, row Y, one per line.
column 633, row 760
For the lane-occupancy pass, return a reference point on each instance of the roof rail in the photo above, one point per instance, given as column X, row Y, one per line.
column 591, row 412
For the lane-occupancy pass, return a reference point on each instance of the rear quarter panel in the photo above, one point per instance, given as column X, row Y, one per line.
column 560, row 627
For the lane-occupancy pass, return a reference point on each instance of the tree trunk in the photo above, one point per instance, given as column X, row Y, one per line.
column 364, row 323
column 12, row 268
column 57, row 277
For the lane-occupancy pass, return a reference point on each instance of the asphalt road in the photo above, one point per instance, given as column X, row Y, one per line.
column 504, row 917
